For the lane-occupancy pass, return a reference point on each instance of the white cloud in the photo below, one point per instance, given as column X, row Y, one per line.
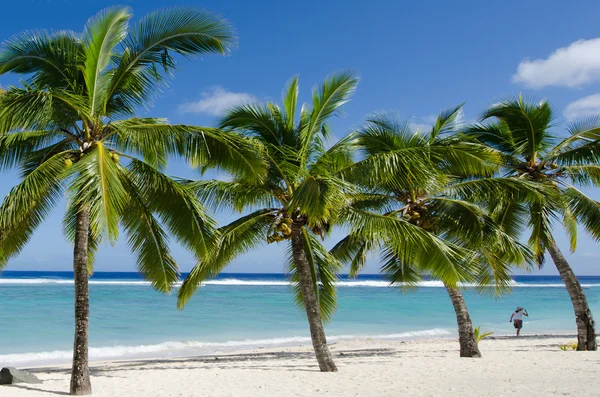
column 422, row 124
column 419, row 127
column 584, row 107
column 216, row 102
column 571, row 66
column 432, row 118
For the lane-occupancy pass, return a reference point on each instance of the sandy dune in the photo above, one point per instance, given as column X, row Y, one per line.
column 529, row 366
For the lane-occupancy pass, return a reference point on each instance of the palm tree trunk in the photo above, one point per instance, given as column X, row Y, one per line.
column 466, row 336
column 80, row 375
column 311, row 303
column 586, row 331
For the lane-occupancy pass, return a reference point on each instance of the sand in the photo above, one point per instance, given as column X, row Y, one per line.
column 528, row 366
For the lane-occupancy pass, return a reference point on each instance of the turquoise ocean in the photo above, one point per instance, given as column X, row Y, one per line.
column 242, row 311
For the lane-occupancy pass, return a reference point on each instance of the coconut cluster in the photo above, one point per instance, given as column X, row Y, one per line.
column 283, row 231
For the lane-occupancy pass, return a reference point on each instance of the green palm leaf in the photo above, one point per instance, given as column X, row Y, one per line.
column 179, row 30
column 97, row 184
column 102, row 34
column 327, row 99
column 177, row 207
column 28, row 204
column 232, row 240
column 585, row 209
column 52, row 58
column 147, row 239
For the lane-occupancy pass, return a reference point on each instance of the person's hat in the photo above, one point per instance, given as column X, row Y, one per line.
column 519, row 308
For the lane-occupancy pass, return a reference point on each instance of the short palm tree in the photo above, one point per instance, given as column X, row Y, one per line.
column 70, row 124
column 521, row 132
column 296, row 203
column 470, row 247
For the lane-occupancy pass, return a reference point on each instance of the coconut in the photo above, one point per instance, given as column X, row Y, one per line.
column 285, row 229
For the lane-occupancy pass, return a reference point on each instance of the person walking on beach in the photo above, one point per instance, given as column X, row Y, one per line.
column 517, row 316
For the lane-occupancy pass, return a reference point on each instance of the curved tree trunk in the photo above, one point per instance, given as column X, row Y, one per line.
column 586, row 331
column 311, row 303
column 466, row 336
column 80, row 375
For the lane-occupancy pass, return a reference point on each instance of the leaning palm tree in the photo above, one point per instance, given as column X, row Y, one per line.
column 296, row 203
column 71, row 129
column 476, row 249
column 521, row 132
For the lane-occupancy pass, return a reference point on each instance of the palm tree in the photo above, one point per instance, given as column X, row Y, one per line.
column 296, row 203
column 70, row 123
column 470, row 245
column 521, row 132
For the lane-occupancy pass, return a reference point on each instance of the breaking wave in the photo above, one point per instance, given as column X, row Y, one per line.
column 182, row 349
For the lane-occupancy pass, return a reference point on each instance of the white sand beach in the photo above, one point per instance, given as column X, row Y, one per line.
column 528, row 366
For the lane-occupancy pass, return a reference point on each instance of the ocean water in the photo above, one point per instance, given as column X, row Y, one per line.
column 235, row 311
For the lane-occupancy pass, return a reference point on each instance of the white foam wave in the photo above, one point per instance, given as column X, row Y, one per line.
column 238, row 282
column 174, row 348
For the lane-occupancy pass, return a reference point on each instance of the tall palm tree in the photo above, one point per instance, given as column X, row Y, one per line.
column 521, row 132
column 473, row 246
column 296, row 203
column 72, row 121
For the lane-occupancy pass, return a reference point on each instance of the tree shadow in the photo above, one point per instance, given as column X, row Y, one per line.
column 20, row 386
column 256, row 361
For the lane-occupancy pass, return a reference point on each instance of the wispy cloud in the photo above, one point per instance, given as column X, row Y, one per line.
column 571, row 66
column 216, row 102
column 419, row 127
column 422, row 124
column 584, row 107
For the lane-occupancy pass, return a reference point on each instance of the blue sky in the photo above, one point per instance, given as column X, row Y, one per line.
column 416, row 59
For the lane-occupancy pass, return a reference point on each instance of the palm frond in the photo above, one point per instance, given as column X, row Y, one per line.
column 581, row 147
column 527, row 122
column 337, row 157
column 541, row 230
column 28, row 203
column 402, row 273
column 318, row 198
column 255, row 120
column 327, row 100
column 583, row 175
column 226, row 150
column 147, row 239
column 290, row 101
column 177, row 206
column 39, row 109
column 413, row 245
column 237, row 195
column 52, row 58
column 459, row 219
column 17, row 146
column 585, row 209
column 466, row 159
column 97, row 184
column 449, row 121
column 233, row 240
column 102, row 34
column 180, row 30
column 353, row 251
